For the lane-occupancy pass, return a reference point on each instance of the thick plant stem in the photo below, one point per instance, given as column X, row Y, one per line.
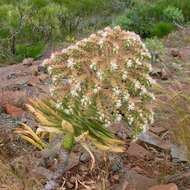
column 53, row 182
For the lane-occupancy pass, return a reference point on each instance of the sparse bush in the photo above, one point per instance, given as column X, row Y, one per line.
column 156, row 48
column 154, row 45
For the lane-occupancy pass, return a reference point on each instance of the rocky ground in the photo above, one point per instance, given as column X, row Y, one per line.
column 153, row 162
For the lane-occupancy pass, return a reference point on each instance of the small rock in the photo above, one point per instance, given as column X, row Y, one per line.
column 159, row 74
column 43, row 77
column 175, row 52
column 33, row 81
column 84, row 157
column 158, row 130
column 69, row 185
column 170, row 186
column 179, row 153
column 13, row 110
column 137, row 151
column 41, row 68
column 116, row 177
column 11, row 76
column 28, row 61
column 116, row 163
column 183, row 53
column 122, row 130
column 154, row 140
column 138, row 181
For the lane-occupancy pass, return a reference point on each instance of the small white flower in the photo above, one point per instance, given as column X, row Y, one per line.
column 52, row 91
column 144, row 128
column 52, row 55
column 138, row 62
column 85, row 100
column 117, row 28
column 141, row 115
column 130, row 120
column 75, row 89
column 50, row 69
column 118, row 104
column 114, row 66
column 151, row 120
column 129, row 63
column 126, row 97
column 143, row 90
column 101, row 42
column 54, row 79
column 150, row 79
column 45, row 62
column 105, row 34
column 118, row 118
column 93, row 66
column 72, row 47
column 96, row 89
column 137, row 84
column 99, row 75
column 149, row 66
column 74, row 93
column 125, row 75
column 116, row 91
column 107, row 123
column 93, row 36
column 59, row 106
column 71, row 63
column 152, row 96
column 131, row 106
column 67, row 111
column 102, row 117
column 64, row 50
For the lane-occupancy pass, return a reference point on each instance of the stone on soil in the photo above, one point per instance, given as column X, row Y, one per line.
column 154, row 140
column 158, row 130
column 179, row 153
column 13, row 110
column 137, row 151
column 138, row 181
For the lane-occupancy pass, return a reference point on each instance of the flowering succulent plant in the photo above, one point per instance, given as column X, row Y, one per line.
column 98, row 81
column 111, row 69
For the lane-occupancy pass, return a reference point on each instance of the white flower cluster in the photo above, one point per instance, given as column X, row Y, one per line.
column 110, row 68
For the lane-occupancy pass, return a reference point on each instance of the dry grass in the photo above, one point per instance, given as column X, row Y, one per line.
column 174, row 108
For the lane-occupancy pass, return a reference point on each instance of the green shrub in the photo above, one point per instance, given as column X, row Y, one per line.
column 183, row 5
column 149, row 18
column 124, row 21
column 173, row 14
column 162, row 28
column 33, row 51
column 137, row 20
